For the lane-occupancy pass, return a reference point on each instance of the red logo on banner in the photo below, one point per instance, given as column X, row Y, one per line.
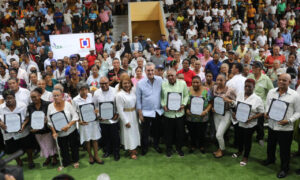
column 85, row 43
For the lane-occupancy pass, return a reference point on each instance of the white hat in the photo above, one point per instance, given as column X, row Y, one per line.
column 294, row 45
column 223, row 50
column 148, row 39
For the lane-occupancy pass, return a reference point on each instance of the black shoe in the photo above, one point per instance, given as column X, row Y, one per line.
column 158, row 149
column 105, row 155
column 117, row 157
column 144, row 152
column 298, row 172
column 282, row 174
column 267, row 162
column 31, row 165
column 180, row 153
column 169, row 153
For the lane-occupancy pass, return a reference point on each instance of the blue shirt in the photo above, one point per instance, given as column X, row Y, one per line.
column 214, row 68
column 44, row 11
column 287, row 38
column 148, row 96
column 58, row 17
column 3, row 56
column 93, row 16
column 163, row 46
column 80, row 70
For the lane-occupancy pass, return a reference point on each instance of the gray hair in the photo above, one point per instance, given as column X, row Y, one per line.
column 82, row 85
column 140, row 58
column 59, row 86
column 150, row 64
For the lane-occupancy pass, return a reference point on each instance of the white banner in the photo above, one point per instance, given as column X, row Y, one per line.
column 68, row 44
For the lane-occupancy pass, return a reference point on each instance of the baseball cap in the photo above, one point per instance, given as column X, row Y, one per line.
column 261, row 49
column 148, row 39
column 73, row 56
column 223, row 50
column 231, row 51
column 257, row 64
column 160, row 66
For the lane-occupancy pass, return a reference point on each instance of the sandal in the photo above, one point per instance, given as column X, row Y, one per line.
column 76, row 165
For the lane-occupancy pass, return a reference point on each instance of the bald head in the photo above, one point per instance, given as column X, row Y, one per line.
column 284, row 80
column 104, row 83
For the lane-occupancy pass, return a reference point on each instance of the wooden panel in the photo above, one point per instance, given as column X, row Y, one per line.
column 150, row 29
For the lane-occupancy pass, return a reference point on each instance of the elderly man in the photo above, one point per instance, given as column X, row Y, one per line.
column 109, row 127
column 148, row 93
column 275, row 56
column 173, row 119
column 281, row 132
column 114, row 74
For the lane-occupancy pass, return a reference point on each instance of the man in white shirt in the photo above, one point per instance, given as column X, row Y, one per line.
column 50, row 58
column 68, row 19
column 4, row 34
column 10, row 56
column 274, row 31
column 281, row 130
column 236, row 27
column 191, row 32
column 237, row 82
column 109, row 127
column 21, row 25
column 176, row 43
column 262, row 39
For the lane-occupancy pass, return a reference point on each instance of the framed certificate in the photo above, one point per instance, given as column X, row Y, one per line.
column 219, row 105
column 243, row 111
column 197, row 105
column 278, row 109
column 13, row 122
column 87, row 112
column 37, row 120
column 106, row 110
column 59, row 120
column 174, row 101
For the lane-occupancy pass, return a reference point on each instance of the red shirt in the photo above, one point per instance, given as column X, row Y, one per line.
column 91, row 59
column 188, row 76
column 270, row 59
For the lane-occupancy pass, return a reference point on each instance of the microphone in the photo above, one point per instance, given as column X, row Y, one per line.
column 13, row 156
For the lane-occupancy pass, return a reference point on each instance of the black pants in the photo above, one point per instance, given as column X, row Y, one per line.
column 260, row 128
column 111, row 138
column 104, row 27
column 174, row 126
column 245, row 140
column 197, row 133
column 284, row 139
column 151, row 126
column 65, row 144
column 236, row 135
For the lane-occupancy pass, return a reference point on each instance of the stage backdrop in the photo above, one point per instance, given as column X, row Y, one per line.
column 68, row 44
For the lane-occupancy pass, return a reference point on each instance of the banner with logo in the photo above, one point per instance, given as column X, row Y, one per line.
column 68, row 44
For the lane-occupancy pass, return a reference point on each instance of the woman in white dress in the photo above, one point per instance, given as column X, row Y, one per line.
column 126, row 100
column 89, row 131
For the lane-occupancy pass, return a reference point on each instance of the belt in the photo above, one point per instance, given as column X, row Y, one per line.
column 129, row 109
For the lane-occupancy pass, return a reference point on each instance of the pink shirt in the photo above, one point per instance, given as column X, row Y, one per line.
column 226, row 27
column 104, row 16
column 204, row 61
column 99, row 48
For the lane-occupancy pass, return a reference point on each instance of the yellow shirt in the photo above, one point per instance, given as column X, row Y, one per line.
column 180, row 18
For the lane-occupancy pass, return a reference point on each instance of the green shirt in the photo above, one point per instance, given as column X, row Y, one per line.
column 262, row 86
column 179, row 87
column 281, row 8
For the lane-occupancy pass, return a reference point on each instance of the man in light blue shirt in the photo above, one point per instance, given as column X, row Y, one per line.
column 148, row 93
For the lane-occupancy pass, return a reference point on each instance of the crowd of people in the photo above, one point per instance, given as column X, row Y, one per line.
column 235, row 52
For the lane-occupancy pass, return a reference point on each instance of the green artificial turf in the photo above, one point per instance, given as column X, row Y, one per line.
column 156, row 166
